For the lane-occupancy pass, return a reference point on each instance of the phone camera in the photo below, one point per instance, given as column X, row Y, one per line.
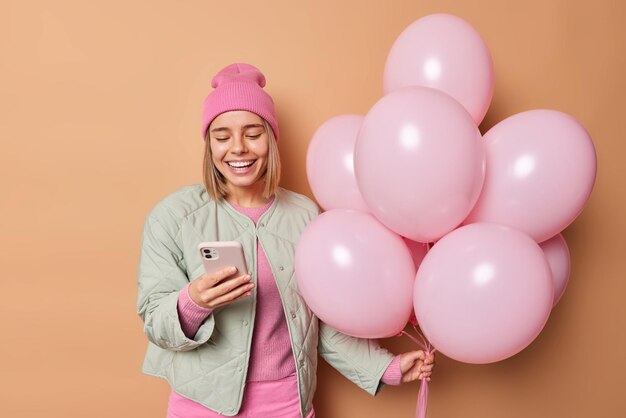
column 208, row 255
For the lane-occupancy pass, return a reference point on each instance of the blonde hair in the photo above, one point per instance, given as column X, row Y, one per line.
column 214, row 181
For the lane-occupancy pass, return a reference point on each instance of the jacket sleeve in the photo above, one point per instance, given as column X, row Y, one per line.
column 161, row 278
column 362, row 361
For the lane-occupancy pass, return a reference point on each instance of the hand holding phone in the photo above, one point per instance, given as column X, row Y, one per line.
column 225, row 279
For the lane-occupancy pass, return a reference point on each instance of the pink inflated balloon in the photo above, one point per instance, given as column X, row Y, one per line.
column 330, row 164
column 557, row 253
column 355, row 274
column 419, row 162
column 483, row 293
column 541, row 168
column 444, row 52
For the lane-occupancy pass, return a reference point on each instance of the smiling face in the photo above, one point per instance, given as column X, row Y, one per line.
column 239, row 149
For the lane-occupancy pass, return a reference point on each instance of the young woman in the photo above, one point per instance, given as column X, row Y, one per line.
column 246, row 346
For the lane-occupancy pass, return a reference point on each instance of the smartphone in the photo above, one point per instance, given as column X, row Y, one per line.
column 217, row 255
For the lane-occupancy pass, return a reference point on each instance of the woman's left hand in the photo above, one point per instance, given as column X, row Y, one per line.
column 416, row 365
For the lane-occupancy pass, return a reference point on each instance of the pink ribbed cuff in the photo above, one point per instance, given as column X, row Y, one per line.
column 393, row 374
column 190, row 314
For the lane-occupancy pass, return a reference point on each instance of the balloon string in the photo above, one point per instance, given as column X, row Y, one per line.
column 422, row 395
column 426, row 345
column 422, row 400
column 415, row 340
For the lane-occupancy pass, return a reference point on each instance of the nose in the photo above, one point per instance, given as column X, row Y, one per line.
column 238, row 145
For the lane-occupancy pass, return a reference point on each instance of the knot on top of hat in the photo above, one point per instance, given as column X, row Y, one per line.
column 238, row 73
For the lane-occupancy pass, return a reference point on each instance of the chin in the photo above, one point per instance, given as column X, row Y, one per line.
column 244, row 182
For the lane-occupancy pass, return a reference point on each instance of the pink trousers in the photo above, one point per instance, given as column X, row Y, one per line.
column 271, row 399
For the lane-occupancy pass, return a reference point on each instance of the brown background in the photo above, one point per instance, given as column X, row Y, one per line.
column 99, row 119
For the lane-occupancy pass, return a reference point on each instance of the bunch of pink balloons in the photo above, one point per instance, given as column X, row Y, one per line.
column 416, row 170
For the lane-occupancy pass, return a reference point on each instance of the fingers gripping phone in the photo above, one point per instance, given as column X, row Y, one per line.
column 217, row 255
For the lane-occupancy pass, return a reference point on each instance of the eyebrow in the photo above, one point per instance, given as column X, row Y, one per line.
column 252, row 125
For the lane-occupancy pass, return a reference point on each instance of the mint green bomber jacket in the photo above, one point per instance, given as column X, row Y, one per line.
column 211, row 368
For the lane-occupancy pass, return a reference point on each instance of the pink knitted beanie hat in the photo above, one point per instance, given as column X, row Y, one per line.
column 239, row 87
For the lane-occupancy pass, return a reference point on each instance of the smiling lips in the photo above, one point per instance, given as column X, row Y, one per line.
column 240, row 167
column 240, row 164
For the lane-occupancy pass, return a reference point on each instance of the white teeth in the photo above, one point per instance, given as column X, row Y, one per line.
column 240, row 164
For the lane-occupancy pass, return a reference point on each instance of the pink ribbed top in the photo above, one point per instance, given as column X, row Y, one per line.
column 270, row 357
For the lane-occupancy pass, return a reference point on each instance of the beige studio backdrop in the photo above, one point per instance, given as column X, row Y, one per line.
column 100, row 118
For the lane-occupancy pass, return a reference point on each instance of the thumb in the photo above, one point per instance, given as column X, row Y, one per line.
column 214, row 278
column 408, row 359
